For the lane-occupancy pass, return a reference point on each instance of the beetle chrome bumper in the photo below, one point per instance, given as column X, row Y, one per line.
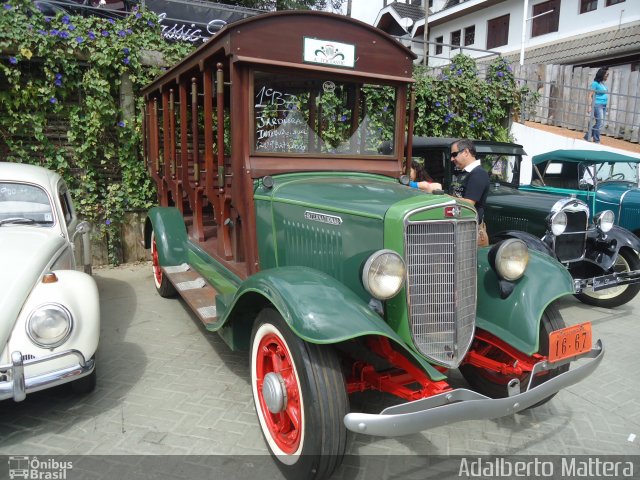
column 462, row 404
column 607, row 281
column 17, row 386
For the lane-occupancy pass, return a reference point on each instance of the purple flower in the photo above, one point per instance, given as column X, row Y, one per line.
column 459, row 72
column 122, row 33
column 91, row 35
column 63, row 34
column 150, row 23
column 42, row 32
column 53, row 32
column 7, row 6
column 65, row 19
column 134, row 9
column 79, row 39
column 47, row 19
column 129, row 31
column 58, row 79
column 105, row 33
column 112, row 21
column 343, row 118
column 71, row 28
column 438, row 104
column 53, row 100
column 126, row 60
column 121, row 123
column 385, row 108
column 500, row 74
column 509, row 68
column 138, row 15
column 107, row 221
column 13, row 60
column 125, row 51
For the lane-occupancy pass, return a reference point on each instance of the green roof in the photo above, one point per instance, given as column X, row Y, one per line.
column 583, row 156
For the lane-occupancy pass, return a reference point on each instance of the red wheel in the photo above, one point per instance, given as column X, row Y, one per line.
column 163, row 285
column 300, row 399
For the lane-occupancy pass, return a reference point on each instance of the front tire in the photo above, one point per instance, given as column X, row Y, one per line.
column 494, row 385
column 300, row 399
column 85, row 385
column 163, row 285
column 627, row 261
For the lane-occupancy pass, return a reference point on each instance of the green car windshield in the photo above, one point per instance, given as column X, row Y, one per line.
column 295, row 114
column 616, row 172
column 502, row 168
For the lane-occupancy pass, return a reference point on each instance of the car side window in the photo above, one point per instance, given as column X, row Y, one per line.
column 65, row 203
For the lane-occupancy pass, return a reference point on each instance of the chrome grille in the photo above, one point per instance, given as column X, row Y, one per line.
column 441, row 268
column 572, row 243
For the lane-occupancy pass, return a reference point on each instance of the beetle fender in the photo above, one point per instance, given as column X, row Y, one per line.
column 516, row 319
column 604, row 252
column 317, row 308
column 171, row 235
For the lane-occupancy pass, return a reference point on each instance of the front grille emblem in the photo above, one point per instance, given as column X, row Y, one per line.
column 452, row 211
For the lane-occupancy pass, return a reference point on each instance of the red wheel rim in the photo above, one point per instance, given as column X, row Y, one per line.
column 284, row 427
column 157, row 271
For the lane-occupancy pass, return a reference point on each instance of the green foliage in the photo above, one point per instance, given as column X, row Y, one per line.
column 460, row 103
column 66, row 70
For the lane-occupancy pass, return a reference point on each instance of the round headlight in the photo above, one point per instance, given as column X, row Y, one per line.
column 558, row 223
column 49, row 325
column 512, row 259
column 383, row 274
column 605, row 220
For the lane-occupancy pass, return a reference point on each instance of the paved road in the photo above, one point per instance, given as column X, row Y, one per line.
column 167, row 387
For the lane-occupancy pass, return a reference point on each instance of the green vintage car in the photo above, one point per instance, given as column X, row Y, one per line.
column 286, row 231
column 601, row 256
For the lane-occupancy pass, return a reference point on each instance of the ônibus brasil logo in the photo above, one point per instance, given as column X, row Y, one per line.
column 33, row 468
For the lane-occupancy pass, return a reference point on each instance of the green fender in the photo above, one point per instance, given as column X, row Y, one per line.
column 318, row 308
column 171, row 235
column 516, row 319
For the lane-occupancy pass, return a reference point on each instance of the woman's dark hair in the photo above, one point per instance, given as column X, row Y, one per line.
column 600, row 74
column 421, row 173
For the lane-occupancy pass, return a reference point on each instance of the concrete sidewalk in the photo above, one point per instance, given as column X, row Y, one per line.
column 168, row 387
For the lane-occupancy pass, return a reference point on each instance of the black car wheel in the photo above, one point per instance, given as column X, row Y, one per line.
column 494, row 385
column 162, row 283
column 300, row 399
column 627, row 261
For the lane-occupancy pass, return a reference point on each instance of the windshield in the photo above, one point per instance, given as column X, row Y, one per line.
column 24, row 204
column 302, row 115
column 612, row 172
column 502, row 168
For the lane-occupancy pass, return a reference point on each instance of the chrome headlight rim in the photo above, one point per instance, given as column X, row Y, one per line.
column 558, row 223
column 504, row 248
column 605, row 224
column 372, row 261
column 37, row 340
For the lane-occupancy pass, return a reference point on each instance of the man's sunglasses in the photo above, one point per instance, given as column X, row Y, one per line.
column 455, row 154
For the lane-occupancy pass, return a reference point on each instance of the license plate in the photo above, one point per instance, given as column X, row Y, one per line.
column 569, row 342
column 607, row 281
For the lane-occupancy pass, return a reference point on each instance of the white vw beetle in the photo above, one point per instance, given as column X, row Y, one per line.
column 49, row 312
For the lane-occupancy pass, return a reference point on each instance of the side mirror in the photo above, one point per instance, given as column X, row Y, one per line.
column 81, row 229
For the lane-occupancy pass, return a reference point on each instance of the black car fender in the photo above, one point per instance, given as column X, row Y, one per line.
column 533, row 242
column 603, row 248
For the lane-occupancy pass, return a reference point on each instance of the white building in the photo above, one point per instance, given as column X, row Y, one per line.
column 575, row 32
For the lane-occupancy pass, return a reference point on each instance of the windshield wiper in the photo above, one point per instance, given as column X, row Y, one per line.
column 19, row 220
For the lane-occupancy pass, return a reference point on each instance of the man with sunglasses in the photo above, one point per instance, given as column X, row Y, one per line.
column 471, row 183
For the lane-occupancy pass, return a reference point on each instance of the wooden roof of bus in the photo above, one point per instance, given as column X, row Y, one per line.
column 277, row 39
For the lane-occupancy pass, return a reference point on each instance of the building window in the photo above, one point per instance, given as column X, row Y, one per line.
column 470, row 35
column 455, row 38
column 548, row 20
column 588, row 5
column 439, row 42
column 613, row 2
column 498, row 32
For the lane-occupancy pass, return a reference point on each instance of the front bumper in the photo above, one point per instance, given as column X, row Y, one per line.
column 462, row 404
column 607, row 281
column 17, row 386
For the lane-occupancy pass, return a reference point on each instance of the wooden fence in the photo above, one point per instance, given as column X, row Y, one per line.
column 564, row 92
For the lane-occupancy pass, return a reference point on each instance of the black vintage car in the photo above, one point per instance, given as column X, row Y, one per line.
column 601, row 256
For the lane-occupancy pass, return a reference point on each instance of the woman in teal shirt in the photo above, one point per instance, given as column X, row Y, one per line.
column 599, row 89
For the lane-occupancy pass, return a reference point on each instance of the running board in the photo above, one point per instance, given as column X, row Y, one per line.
column 195, row 290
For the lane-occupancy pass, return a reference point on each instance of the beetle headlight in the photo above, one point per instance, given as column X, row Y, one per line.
column 383, row 274
column 512, row 258
column 558, row 223
column 605, row 220
column 49, row 325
